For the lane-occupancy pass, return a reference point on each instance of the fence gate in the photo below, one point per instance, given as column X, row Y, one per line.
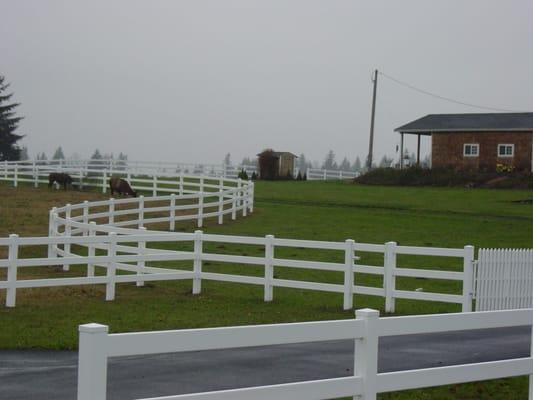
column 504, row 279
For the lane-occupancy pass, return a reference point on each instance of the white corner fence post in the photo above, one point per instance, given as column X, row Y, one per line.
column 172, row 217
column 68, row 234
column 348, row 274
column 180, row 190
column 111, row 267
column 92, row 362
column 141, row 250
column 141, row 211
column 91, row 249
column 468, row 278
column 366, row 353
column 239, row 192
column 11, row 295
column 389, row 277
column 269, row 268
column 154, row 185
column 251, row 186
column 197, row 266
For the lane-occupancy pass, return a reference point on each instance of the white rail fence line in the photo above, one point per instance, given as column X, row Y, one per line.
column 504, row 279
column 129, row 250
column 316, row 174
column 134, row 167
column 96, row 345
column 154, row 182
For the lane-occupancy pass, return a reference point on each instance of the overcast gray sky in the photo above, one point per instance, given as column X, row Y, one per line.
column 191, row 80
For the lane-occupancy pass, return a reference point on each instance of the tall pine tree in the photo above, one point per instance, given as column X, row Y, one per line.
column 8, row 124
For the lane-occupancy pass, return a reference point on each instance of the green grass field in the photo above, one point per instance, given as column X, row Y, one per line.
column 444, row 217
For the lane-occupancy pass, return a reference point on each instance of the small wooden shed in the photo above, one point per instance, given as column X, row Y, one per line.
column 283, row 163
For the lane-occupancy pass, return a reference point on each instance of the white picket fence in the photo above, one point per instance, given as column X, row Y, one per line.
column 316, row 174
column 504, row 279
column 96, row 345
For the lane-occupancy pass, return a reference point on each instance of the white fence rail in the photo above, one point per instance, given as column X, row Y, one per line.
column 504, row 279
column 96, row 345
column 315, row 174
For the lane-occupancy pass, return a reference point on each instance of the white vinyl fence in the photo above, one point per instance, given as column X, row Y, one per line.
column 26, row 170
column 96, row 345
column 93, row 175
column 504, row 279
column 316, row 174
column 74, row 241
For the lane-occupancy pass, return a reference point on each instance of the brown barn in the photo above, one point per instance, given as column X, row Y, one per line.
column 285, row 162
column 476, row 141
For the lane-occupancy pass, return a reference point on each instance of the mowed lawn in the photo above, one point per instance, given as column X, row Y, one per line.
column 443, row 217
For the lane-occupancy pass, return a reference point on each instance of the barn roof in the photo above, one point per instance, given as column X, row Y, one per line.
column 280, row 153
column 469, row 122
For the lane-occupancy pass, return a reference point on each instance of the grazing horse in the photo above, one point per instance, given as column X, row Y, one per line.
column 60, row 178
column 121, row 186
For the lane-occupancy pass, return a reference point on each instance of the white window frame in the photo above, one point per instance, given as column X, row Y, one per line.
column 472, row 145
column 506, row 145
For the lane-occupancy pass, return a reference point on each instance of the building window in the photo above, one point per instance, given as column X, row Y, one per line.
column 505, row 150
column 471, row 149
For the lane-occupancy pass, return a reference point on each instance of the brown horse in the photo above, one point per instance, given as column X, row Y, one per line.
column 121, row 186
column 60, row 178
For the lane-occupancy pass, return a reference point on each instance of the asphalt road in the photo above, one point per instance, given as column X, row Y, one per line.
column 26, row 375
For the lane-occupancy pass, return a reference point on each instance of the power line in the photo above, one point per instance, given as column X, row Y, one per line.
column 409, row 86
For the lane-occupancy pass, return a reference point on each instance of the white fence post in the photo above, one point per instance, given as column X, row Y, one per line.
column 366, row 353
column 90, row 249
column 111, row 267
column 154, row 185
column 239, row 192
column 111, row 212
column 92, row 362
column 389, row 277
column 11, row 295
column 180, row 190
column 325, row 174
column 141, row 211
column 200, row 209
column 85, row 214
column 251, row 186
column 269, row 267
column 220, row 201
column 244, row 195
column 104, row 181
column 234, row 205
column 51, row 231
column 68, row 233
column 172, row 212
column 468, row 278
column 197, row 267
column 15, row 177
column 35, row 174
column 530, row 397
column 348, row 274
column 141, row 250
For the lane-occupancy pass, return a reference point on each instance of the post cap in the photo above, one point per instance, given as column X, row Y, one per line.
column 366, row 313
column 93, row 328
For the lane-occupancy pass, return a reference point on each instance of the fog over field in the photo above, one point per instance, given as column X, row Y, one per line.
column 192, row 80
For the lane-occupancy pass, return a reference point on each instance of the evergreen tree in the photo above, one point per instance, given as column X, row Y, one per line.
column 357, row 165
column 41, row 156
column 345, row 165
column 385, row 162
column 24, row 153
column 329, row 162
column 97, row 155
column 227, row 159
column 8, row 124
column 58, row 154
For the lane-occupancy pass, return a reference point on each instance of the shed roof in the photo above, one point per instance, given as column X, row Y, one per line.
column 469, row 122
column 280, row 153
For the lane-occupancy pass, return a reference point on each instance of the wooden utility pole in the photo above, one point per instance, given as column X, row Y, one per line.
column 371, row 143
